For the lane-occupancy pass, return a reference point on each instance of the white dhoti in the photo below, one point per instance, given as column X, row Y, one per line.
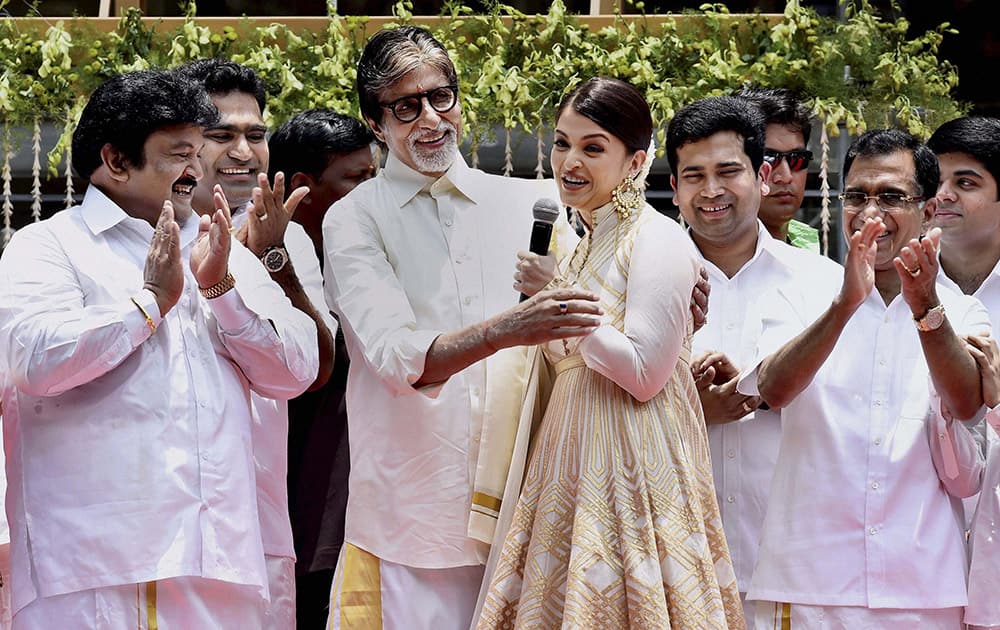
column 369, row 593
column 778, row 616
column 184, row 603
column 280, row 613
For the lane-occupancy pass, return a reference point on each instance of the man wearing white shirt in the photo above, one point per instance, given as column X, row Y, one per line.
column 235, row 158
column 968, row 213
column 129, row 354
column 418, row 264
column 716, row 151
column 863, row 527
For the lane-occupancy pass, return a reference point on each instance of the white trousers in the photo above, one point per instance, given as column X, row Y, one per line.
column 280, row 613
column 185, row 603
column 369, row 593
column 778, row 616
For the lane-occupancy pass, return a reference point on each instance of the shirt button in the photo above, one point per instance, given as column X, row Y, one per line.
column 872, row 531
column 878, row 403
column 731, row 453
column 730, row 326
column 203, row 404
column 448, row 222
column 730, row 499
column 468, row 301
column 874, row 485
column 878, row 441
column 204, row 457
column 882, row 362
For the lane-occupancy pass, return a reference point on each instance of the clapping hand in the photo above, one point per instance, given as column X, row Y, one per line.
column 269, row 214
column 917, row 266
column 210, row 254
column 163, row 274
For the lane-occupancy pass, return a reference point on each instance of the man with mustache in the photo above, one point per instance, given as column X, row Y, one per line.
column 968, row 214
column 871, row 377
column 131, row 335
column 235, row 158
column 787, row 136
column 417, row 267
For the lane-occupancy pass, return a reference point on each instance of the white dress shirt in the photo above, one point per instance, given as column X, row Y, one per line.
column 744, row 452
column 129, row 452
column 858, row 512
column 410, row 258
column 984, row 543
column 270, row 416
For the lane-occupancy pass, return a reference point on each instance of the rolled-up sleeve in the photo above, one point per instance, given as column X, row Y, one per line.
column 272, row 342
column 362, row 288
column 957, row 449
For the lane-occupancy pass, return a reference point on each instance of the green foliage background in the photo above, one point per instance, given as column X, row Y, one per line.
column 514, row 68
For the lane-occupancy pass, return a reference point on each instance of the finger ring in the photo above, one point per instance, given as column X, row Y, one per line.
column 563, row 308
column 747, row 407
column 913, row 272
column 262, row 217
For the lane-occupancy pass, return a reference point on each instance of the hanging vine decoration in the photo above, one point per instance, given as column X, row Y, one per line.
column 36, row 171
column 508, row 155
column 474, row 151
column 824, row 188
column 8, row 205
column 540, row 165
column 69, row 175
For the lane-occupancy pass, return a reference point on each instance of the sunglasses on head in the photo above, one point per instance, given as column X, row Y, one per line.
column 796, row 160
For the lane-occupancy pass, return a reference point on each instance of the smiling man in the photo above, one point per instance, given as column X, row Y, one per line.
column 868, row 375
column 131, row 334
column 418, row 267
column 235, row 159
column 716, row 151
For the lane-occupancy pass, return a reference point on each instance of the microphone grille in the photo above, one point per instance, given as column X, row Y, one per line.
column 546, row 210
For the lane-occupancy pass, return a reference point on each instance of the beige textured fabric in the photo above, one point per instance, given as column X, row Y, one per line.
column 617, row 525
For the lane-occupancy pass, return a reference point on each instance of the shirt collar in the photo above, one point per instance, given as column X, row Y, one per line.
column 406, row 183
column 100, row 214
column 765, row 243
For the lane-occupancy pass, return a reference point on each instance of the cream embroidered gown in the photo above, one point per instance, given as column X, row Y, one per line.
column 617, row 524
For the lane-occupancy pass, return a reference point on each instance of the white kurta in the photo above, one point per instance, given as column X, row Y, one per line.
column 129, row 453
column 858, row 512
column 407, row 259
column 744, row 452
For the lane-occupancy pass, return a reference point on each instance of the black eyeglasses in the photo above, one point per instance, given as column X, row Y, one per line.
column 407, row 108
column 796, row 160
column 890, row 202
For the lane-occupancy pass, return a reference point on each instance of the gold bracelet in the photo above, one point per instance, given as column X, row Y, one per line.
column 149, row 320
column 219, row 287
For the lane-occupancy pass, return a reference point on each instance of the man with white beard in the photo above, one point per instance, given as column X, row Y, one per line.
column 418, row 267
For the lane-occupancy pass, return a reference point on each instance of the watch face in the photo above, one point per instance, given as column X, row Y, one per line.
column 934, row 319
column 274, row 259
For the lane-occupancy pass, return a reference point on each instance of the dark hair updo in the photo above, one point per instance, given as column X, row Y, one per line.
column 616, row 107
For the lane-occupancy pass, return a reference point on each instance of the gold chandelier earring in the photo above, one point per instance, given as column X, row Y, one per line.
column 627, row 197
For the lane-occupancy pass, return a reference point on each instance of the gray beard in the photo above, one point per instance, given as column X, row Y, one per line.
column 437, row 161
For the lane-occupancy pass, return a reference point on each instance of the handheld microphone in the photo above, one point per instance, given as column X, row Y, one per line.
column 545, row 211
